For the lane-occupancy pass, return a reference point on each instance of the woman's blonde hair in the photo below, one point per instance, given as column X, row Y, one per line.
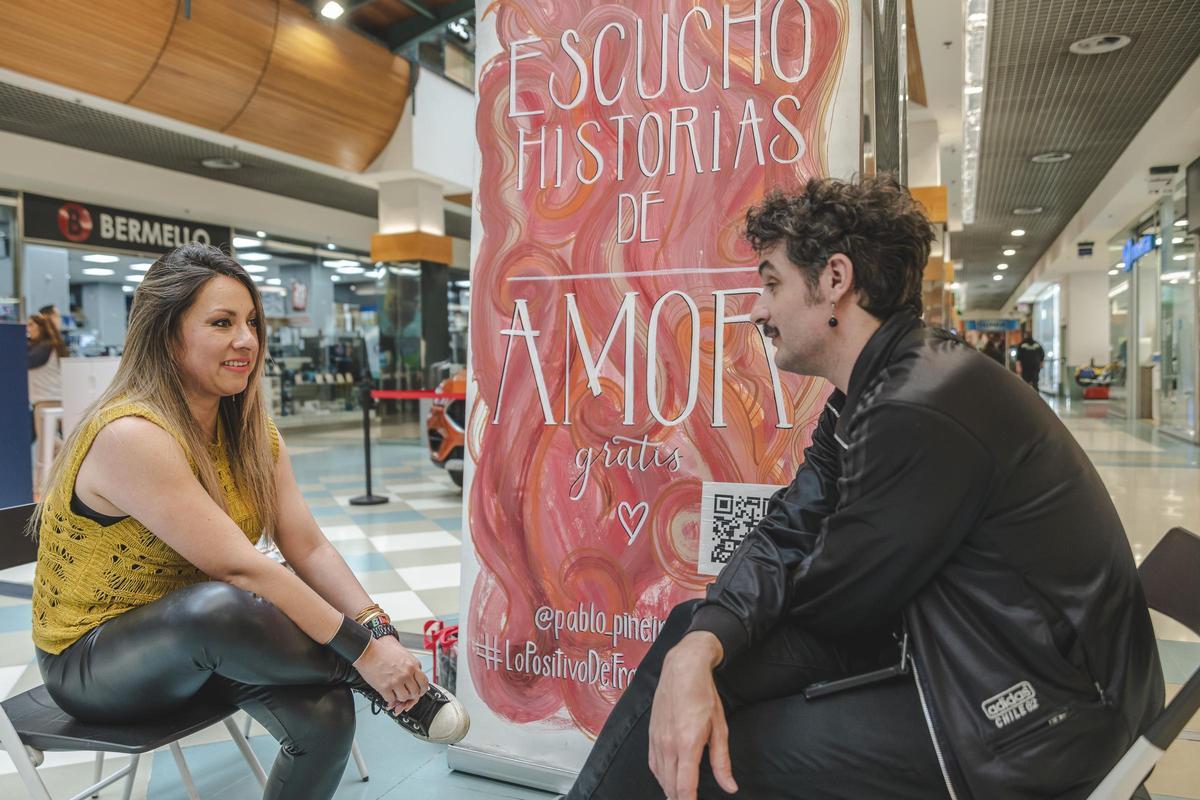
column 149, row 374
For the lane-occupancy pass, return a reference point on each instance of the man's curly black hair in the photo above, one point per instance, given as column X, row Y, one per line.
column 874, row 222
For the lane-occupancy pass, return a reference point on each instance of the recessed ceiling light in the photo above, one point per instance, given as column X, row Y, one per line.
column 355, row 270
column 246, row 241
column 254, row 257
column 126, row 288
column 1008, row 251
column 1119, row 265
column 1002, row 267
column 142, row 267
column 220, row 163
column 98, row 271
column 340, row 262
column 335, row 277
column 1114, row 272
column 1177, row 240
column 1096, row 45
column 1158, row 241
column 1180, row 257
column 135, row 278
column 261, row 234
column 257, row 278
column 255, row 268
column 1052, row 157
column 1028, row 211
column 331, row 246
column 274, row 281
column 1180, row 223
column 332, row 10
column 97, row 258
column 1018, row 232
column 997, row 277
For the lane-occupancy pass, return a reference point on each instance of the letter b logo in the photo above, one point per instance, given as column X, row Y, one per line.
column 75, row 222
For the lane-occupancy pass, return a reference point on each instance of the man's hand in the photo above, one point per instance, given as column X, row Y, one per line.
column 686, row 716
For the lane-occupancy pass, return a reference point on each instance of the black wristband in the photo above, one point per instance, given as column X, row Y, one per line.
column 351, row 640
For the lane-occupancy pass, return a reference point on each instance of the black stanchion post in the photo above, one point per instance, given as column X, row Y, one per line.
column 368, row 402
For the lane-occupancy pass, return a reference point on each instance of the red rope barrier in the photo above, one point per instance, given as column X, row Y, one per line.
column 415, row 394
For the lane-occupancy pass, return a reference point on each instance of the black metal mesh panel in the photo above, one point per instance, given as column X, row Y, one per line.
column 1040, row 97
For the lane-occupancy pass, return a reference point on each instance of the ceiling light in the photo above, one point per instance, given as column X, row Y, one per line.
column 220, row 163
column 1051, row 158
column 1158, row 241
column 973, row 90
column 274, row 281
column 261, row 234
column 1180, row 257
column 257, row 278
column 1018, row 232
column 1180, row 223
column 96, row 258
column 255, row 268
column 1176, row 276
column 98, row 271
column 1027, row 211
column 974, row 73
column 1114, row 272
column 355, row 270
column 340, row 262
column 126, row 288
column 142, row 267
column 1097, row 45
column 1119, row 265
column 1008, row 251
column 1002, row 267
column 1177, row 240
column 254, row 257
column 997, row 277
column 335, row 277
column 246, row 241
column 375, row 273
column 331, row 246
column 332, row 10
column 1123, row 286
column 1173, row 281
column 135, row 278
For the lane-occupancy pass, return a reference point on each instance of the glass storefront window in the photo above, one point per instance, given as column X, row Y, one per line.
column 1119, row 321
column 1046, row 331
column 10, row 303
column 1177, row 312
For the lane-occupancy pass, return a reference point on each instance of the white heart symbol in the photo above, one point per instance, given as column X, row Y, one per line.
column 627, row 515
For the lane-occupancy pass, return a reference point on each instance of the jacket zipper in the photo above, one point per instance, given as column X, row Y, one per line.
column 937, row 748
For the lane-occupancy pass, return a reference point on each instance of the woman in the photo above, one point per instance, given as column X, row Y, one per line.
column 45, row 348
column 171, row 479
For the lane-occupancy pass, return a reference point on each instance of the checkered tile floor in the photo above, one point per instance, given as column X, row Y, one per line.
column 406, row 553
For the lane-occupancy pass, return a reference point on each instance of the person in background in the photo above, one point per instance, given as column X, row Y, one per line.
column 993, row 347
column 1030, row 356
column 45, row 348
column 53, row 316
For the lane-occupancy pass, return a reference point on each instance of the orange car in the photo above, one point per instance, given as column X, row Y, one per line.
column 446, row 425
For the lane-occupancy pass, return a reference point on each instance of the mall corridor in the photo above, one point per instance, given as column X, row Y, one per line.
column 406, row 554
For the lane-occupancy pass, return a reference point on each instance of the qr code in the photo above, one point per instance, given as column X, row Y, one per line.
column 728, row 511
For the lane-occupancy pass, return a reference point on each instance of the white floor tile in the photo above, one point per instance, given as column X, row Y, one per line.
column 434, row 576
column 414, row 541
column 403, row 605
column 341, row 533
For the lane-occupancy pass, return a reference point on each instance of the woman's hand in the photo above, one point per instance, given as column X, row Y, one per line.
column 394, row 672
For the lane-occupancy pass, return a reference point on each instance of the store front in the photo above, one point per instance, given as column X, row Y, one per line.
column 334, row 316
column 1047, row 330
column 1153, row 320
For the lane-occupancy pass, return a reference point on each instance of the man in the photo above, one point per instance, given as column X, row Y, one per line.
column 944, row 524
column 1030, row 356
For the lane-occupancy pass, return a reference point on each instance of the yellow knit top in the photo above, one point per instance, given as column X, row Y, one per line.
column 87, row 573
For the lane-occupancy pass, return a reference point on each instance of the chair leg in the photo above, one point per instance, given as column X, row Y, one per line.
column 239, row 739
column 184, row 773
column 132, row 776
column 20, row 758
column 98, row 773
column 358, row 762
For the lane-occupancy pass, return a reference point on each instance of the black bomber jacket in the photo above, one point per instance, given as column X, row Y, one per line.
column 942, row 492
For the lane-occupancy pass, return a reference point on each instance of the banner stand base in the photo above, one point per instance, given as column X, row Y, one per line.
column 510, row 770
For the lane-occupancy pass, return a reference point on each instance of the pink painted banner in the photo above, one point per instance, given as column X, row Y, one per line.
column 614, row 371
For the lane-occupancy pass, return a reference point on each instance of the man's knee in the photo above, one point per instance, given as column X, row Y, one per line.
column 680, row 619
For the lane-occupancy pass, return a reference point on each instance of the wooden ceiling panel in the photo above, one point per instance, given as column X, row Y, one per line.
column 105, row 49
column 326, row 94
column 212, row 62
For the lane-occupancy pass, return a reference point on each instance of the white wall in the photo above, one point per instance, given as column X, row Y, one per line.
column 1085, row 314
column 433, row 137
column 923, row 154
column 68, row 172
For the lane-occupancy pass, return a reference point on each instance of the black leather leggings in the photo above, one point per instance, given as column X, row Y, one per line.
column 230, row 645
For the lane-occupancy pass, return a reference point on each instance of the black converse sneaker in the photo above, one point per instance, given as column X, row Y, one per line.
column 437, row 717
